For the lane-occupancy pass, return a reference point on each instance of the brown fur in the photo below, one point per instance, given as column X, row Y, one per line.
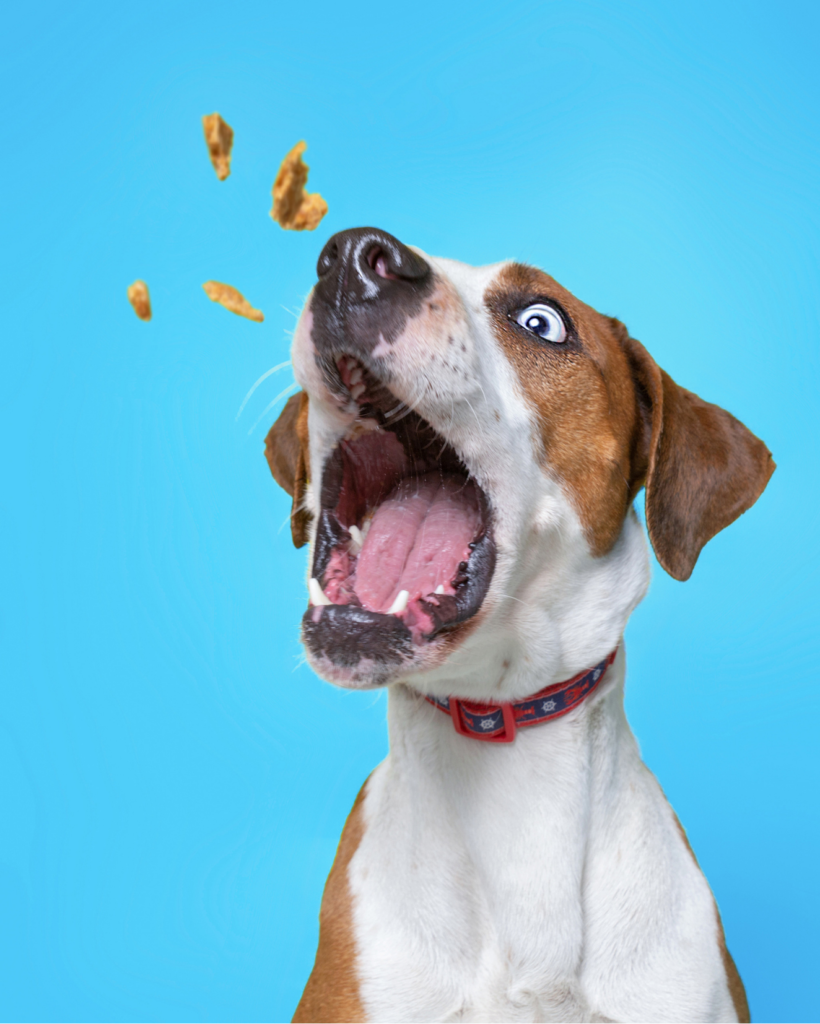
column 332, row 991
column 611, row 420
column 736, row 989
column 288, row 455
column 583, row 397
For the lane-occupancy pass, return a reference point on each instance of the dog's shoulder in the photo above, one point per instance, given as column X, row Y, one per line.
column 332, row 991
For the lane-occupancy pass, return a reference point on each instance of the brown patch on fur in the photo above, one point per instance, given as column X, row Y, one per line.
column 733, row 980
column 288, row 455
column 332, row 991
column 584, row 398
column 611, row 421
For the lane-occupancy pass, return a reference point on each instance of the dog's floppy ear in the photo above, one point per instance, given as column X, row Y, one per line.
column 701, row 467
column 287, row 452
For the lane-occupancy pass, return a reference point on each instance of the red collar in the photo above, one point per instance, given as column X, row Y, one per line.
column 497, row 723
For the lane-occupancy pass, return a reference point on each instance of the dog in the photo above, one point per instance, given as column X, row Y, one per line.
column 463, row 459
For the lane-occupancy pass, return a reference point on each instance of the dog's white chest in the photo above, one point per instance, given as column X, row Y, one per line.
column 516, row 886
column 444, row 937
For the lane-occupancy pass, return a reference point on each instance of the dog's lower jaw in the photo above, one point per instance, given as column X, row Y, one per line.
column 542, row 880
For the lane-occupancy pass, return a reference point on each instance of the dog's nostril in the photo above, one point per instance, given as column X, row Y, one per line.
column 327, row 258
column 377, row 258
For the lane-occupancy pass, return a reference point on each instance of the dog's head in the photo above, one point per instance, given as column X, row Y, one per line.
column 465, row 453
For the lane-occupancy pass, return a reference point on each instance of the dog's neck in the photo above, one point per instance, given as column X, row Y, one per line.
column 561, row 768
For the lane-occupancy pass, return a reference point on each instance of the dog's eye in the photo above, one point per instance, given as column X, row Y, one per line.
column 544, row 322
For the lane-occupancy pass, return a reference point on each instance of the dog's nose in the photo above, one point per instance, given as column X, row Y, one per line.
column 365, row 264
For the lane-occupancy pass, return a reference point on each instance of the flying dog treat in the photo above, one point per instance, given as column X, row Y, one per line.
column 233, row 300
column 294, row 208
column 140, row 299
column 219, row 136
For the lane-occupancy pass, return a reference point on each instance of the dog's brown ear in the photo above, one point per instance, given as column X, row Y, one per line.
column 701, row 467
column 288, row 455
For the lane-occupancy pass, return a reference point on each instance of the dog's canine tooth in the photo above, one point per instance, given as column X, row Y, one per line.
column 439, row 589
column 357, row 390
column 356, row 538
column 356, row 375
column 317, row 595
column 400, row 603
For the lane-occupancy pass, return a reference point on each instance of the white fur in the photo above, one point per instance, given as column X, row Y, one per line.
column 543, row 880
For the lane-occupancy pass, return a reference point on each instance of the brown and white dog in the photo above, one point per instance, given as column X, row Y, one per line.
column 463, row 459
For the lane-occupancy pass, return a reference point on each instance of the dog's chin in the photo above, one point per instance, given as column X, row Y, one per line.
column 372, row 673
column 365, row 675
column 403, row 552
column 370, row 668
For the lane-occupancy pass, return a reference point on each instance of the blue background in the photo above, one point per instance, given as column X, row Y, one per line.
column 173, row 779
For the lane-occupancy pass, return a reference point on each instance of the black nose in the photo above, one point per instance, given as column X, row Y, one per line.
column 366, row 264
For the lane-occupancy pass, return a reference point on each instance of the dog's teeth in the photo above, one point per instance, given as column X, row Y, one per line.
column 356, row 375
column 358, row 390
column 439, row 589
column 317, row 595
column 400, row 603
column 356, row 540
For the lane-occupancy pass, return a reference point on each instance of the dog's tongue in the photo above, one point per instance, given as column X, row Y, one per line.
column 416, row 540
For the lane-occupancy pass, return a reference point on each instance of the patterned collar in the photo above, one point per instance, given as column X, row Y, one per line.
column 497, row 723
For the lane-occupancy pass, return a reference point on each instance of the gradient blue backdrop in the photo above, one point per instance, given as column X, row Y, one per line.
column 173, row 779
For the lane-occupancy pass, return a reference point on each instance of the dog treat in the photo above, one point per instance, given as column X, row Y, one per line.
column 140, row 299
column 219, row 137
column 233, row 300
column 294, row 208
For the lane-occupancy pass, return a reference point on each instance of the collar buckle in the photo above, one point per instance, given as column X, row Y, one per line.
column 507, row 735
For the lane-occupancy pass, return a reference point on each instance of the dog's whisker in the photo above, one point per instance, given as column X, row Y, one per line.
column 265, row 375
column 472, row 410
column 527, row 604
column 270, row 405
column 398, row 409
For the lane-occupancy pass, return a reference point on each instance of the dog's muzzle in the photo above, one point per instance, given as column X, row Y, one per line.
column 403, row 552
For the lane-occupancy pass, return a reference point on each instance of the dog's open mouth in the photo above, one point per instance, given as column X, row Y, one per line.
column 404, row 549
